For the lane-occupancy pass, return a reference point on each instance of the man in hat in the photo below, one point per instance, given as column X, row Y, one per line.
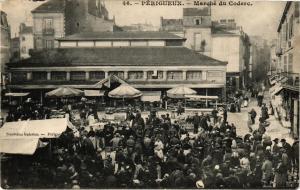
column 276, row 149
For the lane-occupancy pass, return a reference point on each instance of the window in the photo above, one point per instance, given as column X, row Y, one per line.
column 194, row 75
column 197, row 42
column 23, row 38
column 155, row 75
column 156, row 43
column 174, row 75
column 48, row 44
column 215, row 76
column 120, row 43
column 77, row 75
column 291, row 27
column 48, row 23
column 18, row 76
column 103, row 44
column 119, row 74
column 85, row 44
column 135, row 75
column 138, row 43
column 39, row 75
column 58, row 75
column 97, row 75
column 290, row 63
column 197, row 22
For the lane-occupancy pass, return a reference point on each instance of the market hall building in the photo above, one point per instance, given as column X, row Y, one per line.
column 149, row 61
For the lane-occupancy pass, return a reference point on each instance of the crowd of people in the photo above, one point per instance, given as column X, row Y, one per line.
column 157, row 152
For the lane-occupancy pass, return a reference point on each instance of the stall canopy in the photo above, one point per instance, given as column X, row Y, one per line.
column 18, row 146
column 198, row 97
column 180, row 92
column 125, row 91
column 64, row 92
column 152, row 96
column 107, row 81
column 93, row 93
column 17, row 94
column 47, row 128
column 22, row 137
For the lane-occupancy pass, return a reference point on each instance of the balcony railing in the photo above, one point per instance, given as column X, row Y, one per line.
column 48, row 31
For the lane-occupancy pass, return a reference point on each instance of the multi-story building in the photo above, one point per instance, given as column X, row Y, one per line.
column 146, row 60
column 230, row 43
column 222, row 40
column 287, row 88
column 195, row 26
column 58, row 18
column 26, row 40
column 5, row 47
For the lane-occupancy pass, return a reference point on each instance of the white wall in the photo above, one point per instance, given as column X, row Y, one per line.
column 227, row 48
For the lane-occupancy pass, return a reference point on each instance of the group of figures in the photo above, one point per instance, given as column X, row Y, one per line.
column 157, row 152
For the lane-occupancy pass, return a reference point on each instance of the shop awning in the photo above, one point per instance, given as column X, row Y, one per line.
column 93, row 93
column 34, row 129
column 199, row 97
column 152, row 96
column 275, row 90
column 17, row 94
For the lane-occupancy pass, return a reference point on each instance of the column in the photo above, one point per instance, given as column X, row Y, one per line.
column 164, row 75
column 105, row 74
column 48, row 75
column 204, row 75
column 145, row 75
column 183, row 75
column 125, row 75
column 68, row 77
column 87, row 75
column 29, row 76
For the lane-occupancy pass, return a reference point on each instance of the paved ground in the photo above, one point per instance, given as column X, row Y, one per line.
column 275, row 130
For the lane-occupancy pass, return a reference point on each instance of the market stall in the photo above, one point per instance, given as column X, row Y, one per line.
column 22, row 137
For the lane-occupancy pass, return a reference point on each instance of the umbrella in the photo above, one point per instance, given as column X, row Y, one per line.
column 180, row 92
column 125, row 91
column 64, row 92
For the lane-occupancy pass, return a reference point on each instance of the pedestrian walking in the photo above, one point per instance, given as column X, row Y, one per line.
column 253, row 115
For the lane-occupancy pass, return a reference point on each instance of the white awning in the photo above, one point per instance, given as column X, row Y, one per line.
column 18, row 146
column 275, row 90
column 17, row 94
column 151, row 96
column 199, row 97
column 34, row 129
column 93, row 93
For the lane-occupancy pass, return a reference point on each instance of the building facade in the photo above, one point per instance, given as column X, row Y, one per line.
column 222, row 40
column 26, row 40
column 286, row 88
column 58, row 18
column 5, row 47
column 146, row 60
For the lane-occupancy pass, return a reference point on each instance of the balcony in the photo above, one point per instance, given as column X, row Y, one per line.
column 48, row 31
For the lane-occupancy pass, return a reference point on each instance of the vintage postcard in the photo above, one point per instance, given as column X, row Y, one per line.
column 149, row 94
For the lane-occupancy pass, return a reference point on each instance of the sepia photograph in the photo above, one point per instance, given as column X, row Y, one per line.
column 149, row 94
